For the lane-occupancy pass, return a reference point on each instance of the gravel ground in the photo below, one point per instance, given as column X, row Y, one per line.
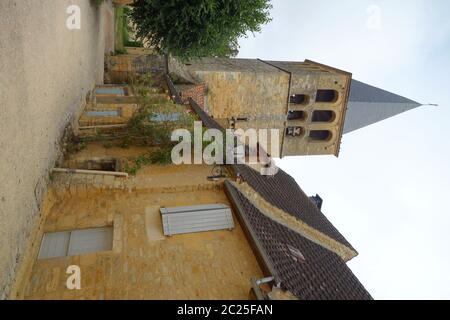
column 45, row 72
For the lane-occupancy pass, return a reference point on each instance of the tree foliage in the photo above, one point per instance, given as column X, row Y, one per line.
column 198, row 28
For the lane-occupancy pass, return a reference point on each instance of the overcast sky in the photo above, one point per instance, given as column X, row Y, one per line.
column 388, row 192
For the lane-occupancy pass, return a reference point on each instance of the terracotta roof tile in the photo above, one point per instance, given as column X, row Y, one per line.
column 283, row 192
column 306, row 269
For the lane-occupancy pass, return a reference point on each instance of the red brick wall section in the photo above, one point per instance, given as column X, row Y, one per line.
column 197, row 93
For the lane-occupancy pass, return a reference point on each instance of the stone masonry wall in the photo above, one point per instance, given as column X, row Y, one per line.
column 243, row 88
column 46, row 72
column 124, row 68
column 143, row 264
column 250, row 93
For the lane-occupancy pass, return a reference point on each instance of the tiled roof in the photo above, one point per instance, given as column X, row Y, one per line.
column 306, row 269
column 173, row 91
column 322, row 274
column 204, row 117
column 282, row 191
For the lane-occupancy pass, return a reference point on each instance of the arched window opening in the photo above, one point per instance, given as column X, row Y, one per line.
column 299, row 99
column 296, row 115
column 323, row 116
column 294, row 131
column 327, row 96
column 320, row 135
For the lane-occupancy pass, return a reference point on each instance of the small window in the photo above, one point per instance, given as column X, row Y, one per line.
column 76, row 242
column 107, row 164
column 299, row 99
column 294, row 131
column 296, row 115
column 102, row 113
column 323, row 116
column 327, row 96
column 320, row 135
column 192, row 219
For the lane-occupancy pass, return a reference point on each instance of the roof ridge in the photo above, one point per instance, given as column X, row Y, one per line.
column 293, row 223
column 298, row 264
column 283, row 192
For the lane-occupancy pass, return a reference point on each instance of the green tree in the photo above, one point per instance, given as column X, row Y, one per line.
column 198, row 28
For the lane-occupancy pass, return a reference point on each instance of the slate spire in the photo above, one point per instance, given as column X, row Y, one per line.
column 368, row 105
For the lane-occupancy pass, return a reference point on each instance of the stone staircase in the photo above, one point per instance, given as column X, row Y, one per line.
column 108, row 114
